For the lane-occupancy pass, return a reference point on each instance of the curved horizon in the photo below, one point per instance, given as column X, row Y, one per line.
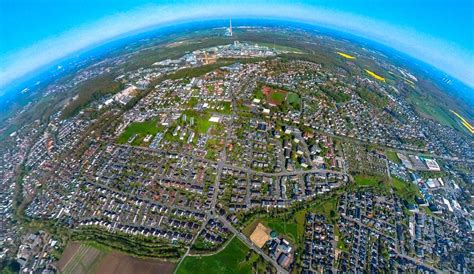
column 448, row 57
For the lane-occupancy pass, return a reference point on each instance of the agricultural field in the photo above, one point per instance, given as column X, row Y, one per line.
column 463, row 121
column 345, row 55
column 279, row 47
column 428, row 107
column 79, row 258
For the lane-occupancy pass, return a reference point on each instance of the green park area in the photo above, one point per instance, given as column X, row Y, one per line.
column 140, row 130
column 232, row 259
column 405, row 190
column 293, row 99
column 201, row 120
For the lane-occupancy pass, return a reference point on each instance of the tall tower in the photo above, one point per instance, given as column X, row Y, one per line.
column 230, row 27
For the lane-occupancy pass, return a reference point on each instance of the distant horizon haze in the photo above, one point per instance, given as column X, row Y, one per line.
column 445, row 44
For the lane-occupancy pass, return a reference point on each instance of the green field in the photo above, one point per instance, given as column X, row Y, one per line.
column 427, row 107
column 230, row 260
column 226, row 108
column 288, row 228
column 326, row 207
column 141, row 129
column 278, row 97
column 201, row 120
column 405, row 190
column 293, row 99
column 392, row 156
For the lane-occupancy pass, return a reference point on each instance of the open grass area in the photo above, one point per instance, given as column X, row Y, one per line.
column 327, row 207
column 221, row 107
column 213, row 147
column 232, row 259
column 201, row 120
column 405, row 190
column 288, row 228
column 293, row 99
column 392, row 156
column 141, row 129
column 365, row 180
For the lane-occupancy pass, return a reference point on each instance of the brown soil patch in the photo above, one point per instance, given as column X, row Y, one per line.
column 260, row 235
column 118, row 263
column 70, row 250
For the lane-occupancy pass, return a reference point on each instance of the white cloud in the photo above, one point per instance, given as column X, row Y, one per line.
column 447, row 57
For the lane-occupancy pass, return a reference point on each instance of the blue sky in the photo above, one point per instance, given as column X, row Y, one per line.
column 34, row 33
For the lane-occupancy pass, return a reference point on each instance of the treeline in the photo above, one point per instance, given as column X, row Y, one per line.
column 136, row 245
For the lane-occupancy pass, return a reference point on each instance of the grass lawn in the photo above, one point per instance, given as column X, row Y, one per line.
column 201, row 120
column 326, row 207
column 193, row 101
column 288, row 228
column 141, row 129
column 222, row 107
column 405, row 190
column 392, row 156
column 379, row 184
column 230, row 260
column 293, row 99
column 365, row 180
